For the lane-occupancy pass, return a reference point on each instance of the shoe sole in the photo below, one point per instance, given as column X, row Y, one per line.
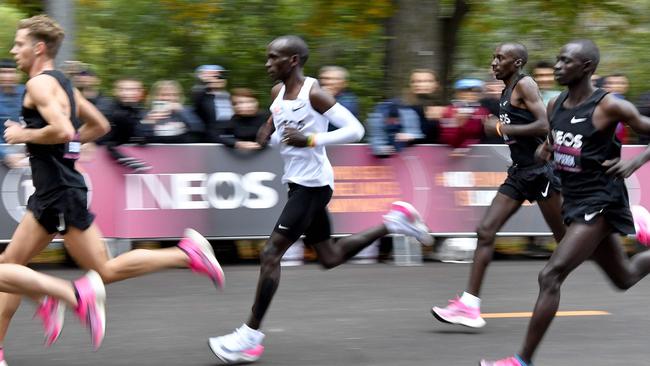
column 226, row 361
column 417, row 219
column 205, row 246
column 440, row 318
column 100, row 300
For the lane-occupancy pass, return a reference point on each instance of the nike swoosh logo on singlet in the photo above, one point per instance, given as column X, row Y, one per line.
column 577, row 120
column 545, row 192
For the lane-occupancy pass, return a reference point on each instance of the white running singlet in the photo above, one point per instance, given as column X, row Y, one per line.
column 307, row 166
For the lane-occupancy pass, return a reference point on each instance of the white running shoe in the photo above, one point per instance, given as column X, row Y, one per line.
column 236, row 347
column 404, row 219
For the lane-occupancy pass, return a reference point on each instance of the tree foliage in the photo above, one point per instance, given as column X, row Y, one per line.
column 170, row 38
column 9, row 17
column 620, row 28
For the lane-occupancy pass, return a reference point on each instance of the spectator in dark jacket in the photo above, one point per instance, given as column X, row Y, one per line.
column 211, row 100
column 168, row 121
column 124, row 115
column 242, row 129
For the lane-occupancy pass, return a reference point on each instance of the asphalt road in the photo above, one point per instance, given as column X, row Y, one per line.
column 366, row 315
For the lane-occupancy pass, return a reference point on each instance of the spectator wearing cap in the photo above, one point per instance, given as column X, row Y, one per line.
column 462, row 122
column 11, row 93
column 490, row 100
column 211, row 100
column 334, row 80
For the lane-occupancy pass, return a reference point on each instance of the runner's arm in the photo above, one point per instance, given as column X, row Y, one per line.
column 529, row 94
column 95, row 125
column 621, row 110
column 59, row 129
column 349, row 128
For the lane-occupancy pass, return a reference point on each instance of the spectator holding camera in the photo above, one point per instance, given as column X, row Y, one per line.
column 211, row 100
column 168, row 121
column 241, row 131
column 462, row 122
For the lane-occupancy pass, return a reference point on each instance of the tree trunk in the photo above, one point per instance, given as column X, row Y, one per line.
column 449, row 27
column 413, row 42
column 421, row 35
column 63, row 12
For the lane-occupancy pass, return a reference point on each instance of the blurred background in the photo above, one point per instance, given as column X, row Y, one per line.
column 378, row 42
column 413, row 71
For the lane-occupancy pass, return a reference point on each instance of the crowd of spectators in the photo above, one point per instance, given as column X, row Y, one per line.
column 215, row 114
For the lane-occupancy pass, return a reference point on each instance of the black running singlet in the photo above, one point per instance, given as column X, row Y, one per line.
column 580, row 149
column 522, row 148
column 53, row 165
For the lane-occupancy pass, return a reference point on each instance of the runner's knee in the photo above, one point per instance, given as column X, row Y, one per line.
column 270, row 258
column 550, row 278
column 485, row 234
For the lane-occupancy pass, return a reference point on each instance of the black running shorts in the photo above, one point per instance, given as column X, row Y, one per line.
column 60, row 210
column 306, row 213
column 617, row 214
column 531, row 183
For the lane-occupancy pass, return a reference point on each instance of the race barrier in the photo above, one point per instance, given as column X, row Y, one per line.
column 225, row 193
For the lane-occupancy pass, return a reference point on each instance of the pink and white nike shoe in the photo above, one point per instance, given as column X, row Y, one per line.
column 641, row 218
column 201, row 257
column 238, row 347
column 509, row 361
column 52, row 313
column 458, row 313
column 404, row 219
column 91, row 306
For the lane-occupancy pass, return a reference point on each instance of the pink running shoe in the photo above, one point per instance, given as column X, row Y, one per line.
column 235, row 348
column 458, row 313
column 2, row 357
column 641, row 218
column 91, row 306
column 404, row 219
column 52, row 313
column 510, row 361
column 201, row 257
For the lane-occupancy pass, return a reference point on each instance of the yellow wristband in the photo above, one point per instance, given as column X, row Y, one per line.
column 311, row 140
column 499, row 129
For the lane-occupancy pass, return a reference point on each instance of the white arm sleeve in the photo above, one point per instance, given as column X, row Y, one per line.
column 350, row 129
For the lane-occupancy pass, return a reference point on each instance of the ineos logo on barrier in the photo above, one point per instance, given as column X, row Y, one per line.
column 191, row 191
column 17, row 187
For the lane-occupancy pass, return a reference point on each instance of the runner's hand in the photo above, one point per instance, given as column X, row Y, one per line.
column 544, row 151
column 293, row 137
column 14, row 132
column 621, row 168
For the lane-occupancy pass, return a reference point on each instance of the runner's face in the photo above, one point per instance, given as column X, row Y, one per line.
column 503, row 63
column 24, row 50
column 278, row 64
column 569, row 67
